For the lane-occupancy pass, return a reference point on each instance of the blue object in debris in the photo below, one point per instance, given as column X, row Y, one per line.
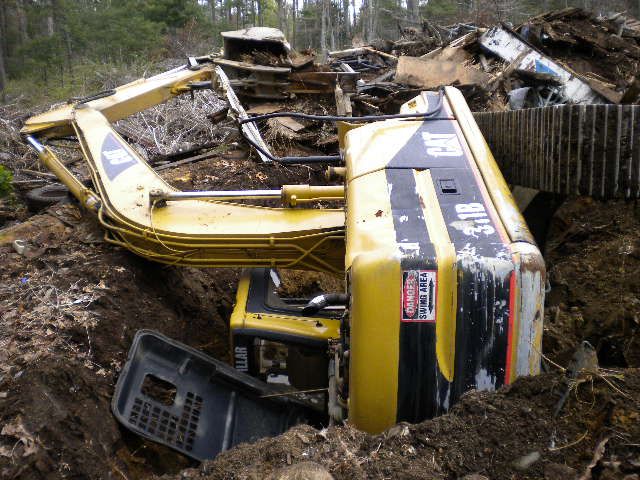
column 542, row 68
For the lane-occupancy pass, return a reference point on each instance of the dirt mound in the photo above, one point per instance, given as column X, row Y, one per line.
column 511, row 434
column 593, row 258
column 69, row 307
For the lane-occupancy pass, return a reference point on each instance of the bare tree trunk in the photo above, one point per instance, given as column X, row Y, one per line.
column 254, row 12
column 364, row 15
column 50, row 26
column 332, row 26
column 323, row 27
column 346, row 22
column 285, row 19
column 258, row 13
column 371, row 21
column 3, row 73
column 294, row 15
column 280, row 15
column 413, row 10
column 212, row 10
column 22, row 21
column 3, row 28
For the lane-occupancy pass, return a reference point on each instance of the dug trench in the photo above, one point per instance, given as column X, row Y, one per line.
column 70, row 305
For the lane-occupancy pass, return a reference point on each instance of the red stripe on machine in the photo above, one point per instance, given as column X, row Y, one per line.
column 512, row 312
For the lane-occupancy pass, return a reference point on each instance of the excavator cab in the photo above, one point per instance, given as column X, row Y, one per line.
column 274, row 338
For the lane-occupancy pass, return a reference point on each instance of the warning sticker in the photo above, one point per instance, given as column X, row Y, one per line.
column 419, row 295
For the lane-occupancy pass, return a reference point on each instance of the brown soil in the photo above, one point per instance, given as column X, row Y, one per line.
column 593, row 258
column 71, row 304
column 487, row 434
column 69, row 309
column 232, row 171
column 298, row 283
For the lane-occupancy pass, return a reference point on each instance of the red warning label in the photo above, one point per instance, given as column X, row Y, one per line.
column 419, row 295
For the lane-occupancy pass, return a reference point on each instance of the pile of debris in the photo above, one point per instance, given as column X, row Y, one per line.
column 261, row 65
column 427, row 36
column 569, row 56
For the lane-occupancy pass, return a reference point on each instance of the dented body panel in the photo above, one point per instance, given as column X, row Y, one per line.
column 458, row 280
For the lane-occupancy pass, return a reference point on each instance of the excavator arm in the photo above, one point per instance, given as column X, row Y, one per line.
column 201, row 233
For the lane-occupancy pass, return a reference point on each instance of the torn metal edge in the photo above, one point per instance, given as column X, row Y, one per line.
column 249, row 129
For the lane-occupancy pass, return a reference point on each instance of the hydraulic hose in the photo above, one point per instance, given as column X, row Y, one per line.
column 333, row 159
column 322, row 301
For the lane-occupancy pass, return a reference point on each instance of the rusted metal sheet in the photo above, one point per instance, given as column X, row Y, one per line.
column 322, row 82
column 568, row 149
column 247, row 40
column 434, row 73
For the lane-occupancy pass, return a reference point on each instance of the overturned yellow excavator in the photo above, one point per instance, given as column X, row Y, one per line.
column 444, row 282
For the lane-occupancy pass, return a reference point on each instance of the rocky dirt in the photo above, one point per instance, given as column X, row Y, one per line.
column 511, row 434
column 69, row 307
column 593, row 258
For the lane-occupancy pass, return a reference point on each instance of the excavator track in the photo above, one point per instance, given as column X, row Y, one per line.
column 568, row 149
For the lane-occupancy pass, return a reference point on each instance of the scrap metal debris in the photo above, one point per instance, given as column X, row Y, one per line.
column 261, row 65
column 568, row 56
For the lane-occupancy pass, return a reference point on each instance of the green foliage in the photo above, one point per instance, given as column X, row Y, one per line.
column 121, row 32
column 438, row 10
column 171, row 13
column 6, row 187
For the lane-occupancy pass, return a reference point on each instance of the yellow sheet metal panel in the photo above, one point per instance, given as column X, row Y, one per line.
column 446, row 297
column 374, row 144
column 373, row 265
column 307, row 327
column 373, row 360
column 240, row 308
column 369, row 222
column 498, row 189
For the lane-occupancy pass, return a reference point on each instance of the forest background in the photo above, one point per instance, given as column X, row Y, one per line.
column 55, row 49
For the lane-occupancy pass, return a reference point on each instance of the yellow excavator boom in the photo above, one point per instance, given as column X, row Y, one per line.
column 200, row 233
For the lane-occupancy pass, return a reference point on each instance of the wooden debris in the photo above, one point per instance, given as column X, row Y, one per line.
column 196, row 158
column 264, row 108
column 434, row 73
column 343, row 102
column 290, row 123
